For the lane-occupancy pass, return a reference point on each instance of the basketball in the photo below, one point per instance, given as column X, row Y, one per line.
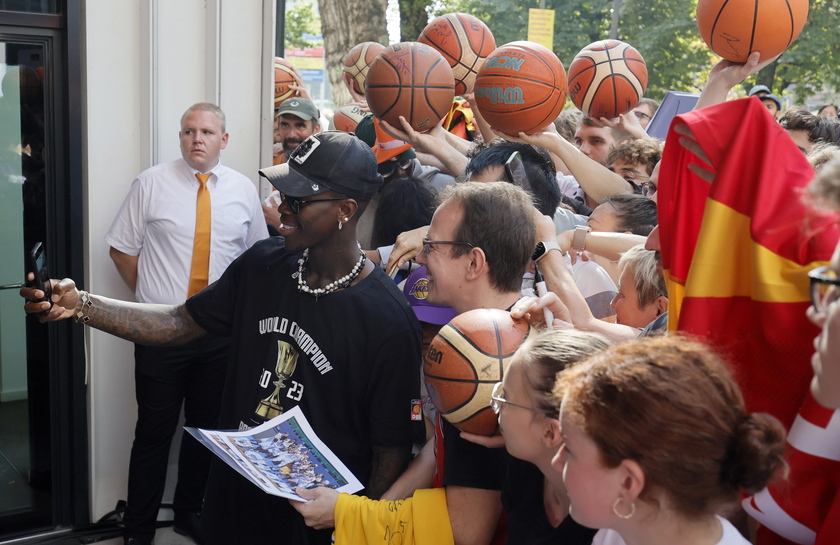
column 607, row 79
column 412, row 80
column 357, row 62
column 520, row 88
column 466, row 359
column 735, row 28
column 464, row 41
column 347, row 117
column 283, row 77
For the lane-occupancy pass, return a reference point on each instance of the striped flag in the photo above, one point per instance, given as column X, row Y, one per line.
column 737, row 252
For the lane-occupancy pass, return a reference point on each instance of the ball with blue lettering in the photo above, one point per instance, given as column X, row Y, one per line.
column 520, row 88
column 607, row 79
column 464, row 362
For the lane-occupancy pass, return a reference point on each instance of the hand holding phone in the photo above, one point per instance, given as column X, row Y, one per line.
column 38, row 267
column 515, row 171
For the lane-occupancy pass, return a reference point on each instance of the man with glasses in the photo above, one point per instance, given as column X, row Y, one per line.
column 634, row 160
column 476, row 251
column 644, row 111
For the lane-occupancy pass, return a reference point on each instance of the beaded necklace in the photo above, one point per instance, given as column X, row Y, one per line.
column 339, row 284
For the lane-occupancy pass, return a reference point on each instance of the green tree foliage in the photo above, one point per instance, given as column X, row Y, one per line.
column 665, row 33
column 812, row 62
column 302, row 19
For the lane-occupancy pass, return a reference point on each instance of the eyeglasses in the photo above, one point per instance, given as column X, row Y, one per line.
column 631, row 175
column 640, row 115
column 295, row 202
column 496, row 401
column 429, row 245
column 648, row 189
column 825, row 288
column 387, row 168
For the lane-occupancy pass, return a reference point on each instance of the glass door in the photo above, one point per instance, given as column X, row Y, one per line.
column 25, row 465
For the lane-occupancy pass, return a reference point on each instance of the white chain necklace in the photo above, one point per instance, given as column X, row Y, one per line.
column 339, row 284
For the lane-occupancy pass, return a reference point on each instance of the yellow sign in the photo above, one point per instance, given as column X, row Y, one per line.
column 307, row 63
column 541, row 27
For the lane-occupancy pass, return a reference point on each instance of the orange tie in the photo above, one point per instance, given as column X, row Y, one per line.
column 200, row 272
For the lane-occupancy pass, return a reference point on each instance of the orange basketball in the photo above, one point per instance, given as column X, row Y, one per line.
column 347, row 117
column 466, row 359
column 412, row 80
column 520, row 88
column 464, row 41
column 735, row 28
column 357, row 62
column 283, row 77
column 607, row 78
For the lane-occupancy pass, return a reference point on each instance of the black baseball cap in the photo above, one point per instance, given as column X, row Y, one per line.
column 331, row 160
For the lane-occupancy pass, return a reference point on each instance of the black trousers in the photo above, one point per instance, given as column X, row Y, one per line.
column 165, row 377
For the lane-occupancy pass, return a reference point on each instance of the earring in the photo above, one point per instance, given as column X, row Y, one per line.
column 628, row 515
column 340, row 225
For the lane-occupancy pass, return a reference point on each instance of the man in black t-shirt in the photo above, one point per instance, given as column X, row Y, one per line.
column 308, row 312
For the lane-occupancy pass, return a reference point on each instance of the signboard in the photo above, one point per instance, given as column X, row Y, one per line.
column 311, row 75
column 541, row 27
column 309, row 60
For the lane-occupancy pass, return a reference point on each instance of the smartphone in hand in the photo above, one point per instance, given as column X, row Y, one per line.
column 515, row 171
column 38, row 266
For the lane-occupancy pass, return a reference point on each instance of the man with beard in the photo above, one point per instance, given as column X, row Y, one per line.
column 296, row 119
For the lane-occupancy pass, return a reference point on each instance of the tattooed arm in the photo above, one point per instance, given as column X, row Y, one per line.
column 158, row 325
column 386, row 466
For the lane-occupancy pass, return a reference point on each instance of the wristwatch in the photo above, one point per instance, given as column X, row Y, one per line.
column 579, row 238
column 543, row 248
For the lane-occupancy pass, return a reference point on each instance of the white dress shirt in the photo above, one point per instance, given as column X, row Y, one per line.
column 157, row 223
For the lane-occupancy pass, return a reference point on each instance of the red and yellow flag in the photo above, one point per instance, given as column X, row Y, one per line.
column 737, row 252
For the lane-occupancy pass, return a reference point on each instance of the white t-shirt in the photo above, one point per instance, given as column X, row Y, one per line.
column 731, row 536
column 157, row 223
column 569, row 186
column 594, row 284
column 592, row 281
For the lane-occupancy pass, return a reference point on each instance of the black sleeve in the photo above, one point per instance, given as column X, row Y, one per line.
column 471, row 465
column 394, row 382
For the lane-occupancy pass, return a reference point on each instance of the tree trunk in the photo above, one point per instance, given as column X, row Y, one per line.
column 767, row 76
column 616, row 10
column 346, row 23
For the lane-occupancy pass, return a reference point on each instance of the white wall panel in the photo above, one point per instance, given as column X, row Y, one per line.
column 146, row 61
